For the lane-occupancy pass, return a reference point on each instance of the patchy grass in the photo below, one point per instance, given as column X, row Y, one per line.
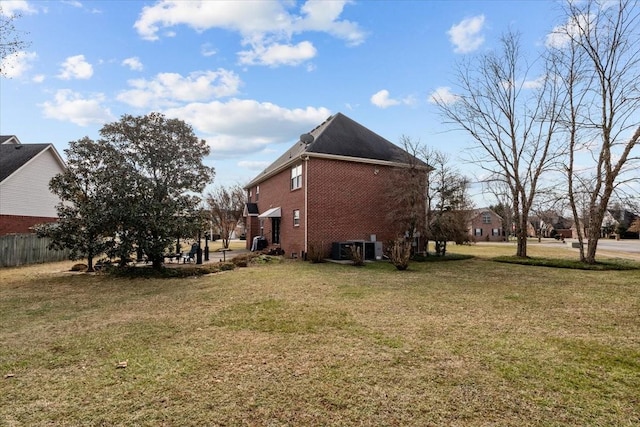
column 470, row 343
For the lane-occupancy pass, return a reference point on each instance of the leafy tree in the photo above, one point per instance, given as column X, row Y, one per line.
column 84, row 222
column 10, row 41
column 597, row 59
column 162, row 170
column 449, row 204
column 512, row 120
column 133, row 189
column 225, row 207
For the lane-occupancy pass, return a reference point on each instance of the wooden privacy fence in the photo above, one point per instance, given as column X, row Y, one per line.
column 21, row 249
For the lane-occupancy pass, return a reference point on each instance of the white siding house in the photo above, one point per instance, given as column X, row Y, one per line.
column 25, row 172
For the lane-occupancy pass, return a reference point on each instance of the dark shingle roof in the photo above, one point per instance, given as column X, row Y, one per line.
column 342, row 137
column 14, row 156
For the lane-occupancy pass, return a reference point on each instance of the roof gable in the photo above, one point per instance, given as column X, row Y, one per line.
column 15, row 156
column 342, row 138
column 9, row 139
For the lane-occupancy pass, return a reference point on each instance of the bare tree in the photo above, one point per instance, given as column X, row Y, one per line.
column 11, row 41
column 225, row 206
column 597, row 54
column 406, row 193
column 512, row 118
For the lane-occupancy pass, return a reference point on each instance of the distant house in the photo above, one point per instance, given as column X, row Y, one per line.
column 25, row 172
column 616, row 221
column 329, row 187
column 485, row 225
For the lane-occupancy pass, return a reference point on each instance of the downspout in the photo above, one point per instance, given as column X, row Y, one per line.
column 306, row 204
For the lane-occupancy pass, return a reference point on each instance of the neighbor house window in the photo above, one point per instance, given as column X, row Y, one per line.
column 486, row 218
column 249, row 195
column 296, row 217
column 296, row 177
column 257, row 192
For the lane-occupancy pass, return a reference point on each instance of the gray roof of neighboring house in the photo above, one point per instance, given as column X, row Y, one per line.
column 341, row 137
column 14, row 156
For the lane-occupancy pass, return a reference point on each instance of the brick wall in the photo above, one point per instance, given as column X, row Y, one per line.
column 11, row 224
column 276, row 192
column 346, row 201
column 487, row 230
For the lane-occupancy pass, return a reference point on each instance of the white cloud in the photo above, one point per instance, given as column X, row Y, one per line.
column 383, row 100
column 207, row 50
column 38, row 78
column 561, row 35
column 71, row 107
column 443, row 95
column 246, row 126
column 133, row 63
column 278, row 54
column 75, row 67
column 12, row 7
column 168, row 88
column 17, row 63
column 466, row 35
column 73, row 3
column 266, row 26
column 321, row 15
column 534, row 84
column 253, row 165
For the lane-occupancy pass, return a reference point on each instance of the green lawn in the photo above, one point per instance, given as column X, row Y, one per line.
column 464, row 343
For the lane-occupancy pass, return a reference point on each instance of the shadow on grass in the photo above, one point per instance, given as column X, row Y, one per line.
column 615, row 264
column 438, row 258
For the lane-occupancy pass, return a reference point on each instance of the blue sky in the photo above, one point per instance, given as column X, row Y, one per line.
column 250, row 77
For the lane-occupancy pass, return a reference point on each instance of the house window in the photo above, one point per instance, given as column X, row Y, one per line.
column 257, row 192
column 486, row 218
column 296, row 218
column 249, row 196
column 296, row 177
column 478, row 232
column 495, row 232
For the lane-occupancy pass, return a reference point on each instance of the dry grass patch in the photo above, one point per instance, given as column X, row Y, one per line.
column 458, row 343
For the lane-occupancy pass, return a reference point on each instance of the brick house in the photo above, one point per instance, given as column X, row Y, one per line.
column 328, row 187
column 25, row 172
column 486, row 226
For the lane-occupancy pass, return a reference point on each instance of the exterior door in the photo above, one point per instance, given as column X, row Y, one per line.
column 275, row 231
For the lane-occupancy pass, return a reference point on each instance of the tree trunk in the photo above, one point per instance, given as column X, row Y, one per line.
column 90, row 268
column 521, row 235
column 593, row 235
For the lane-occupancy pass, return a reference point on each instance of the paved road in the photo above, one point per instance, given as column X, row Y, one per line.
column 632, row 246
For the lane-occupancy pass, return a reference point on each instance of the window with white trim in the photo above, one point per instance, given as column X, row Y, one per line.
column 296, row 218
column 296, row 177
column 257, row 192
column 478, row 232
column 486, row 218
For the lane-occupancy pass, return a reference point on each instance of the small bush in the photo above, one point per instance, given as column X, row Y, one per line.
column 243, row 260
column 399, row 253
column 315, row 254
column 356, row 256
